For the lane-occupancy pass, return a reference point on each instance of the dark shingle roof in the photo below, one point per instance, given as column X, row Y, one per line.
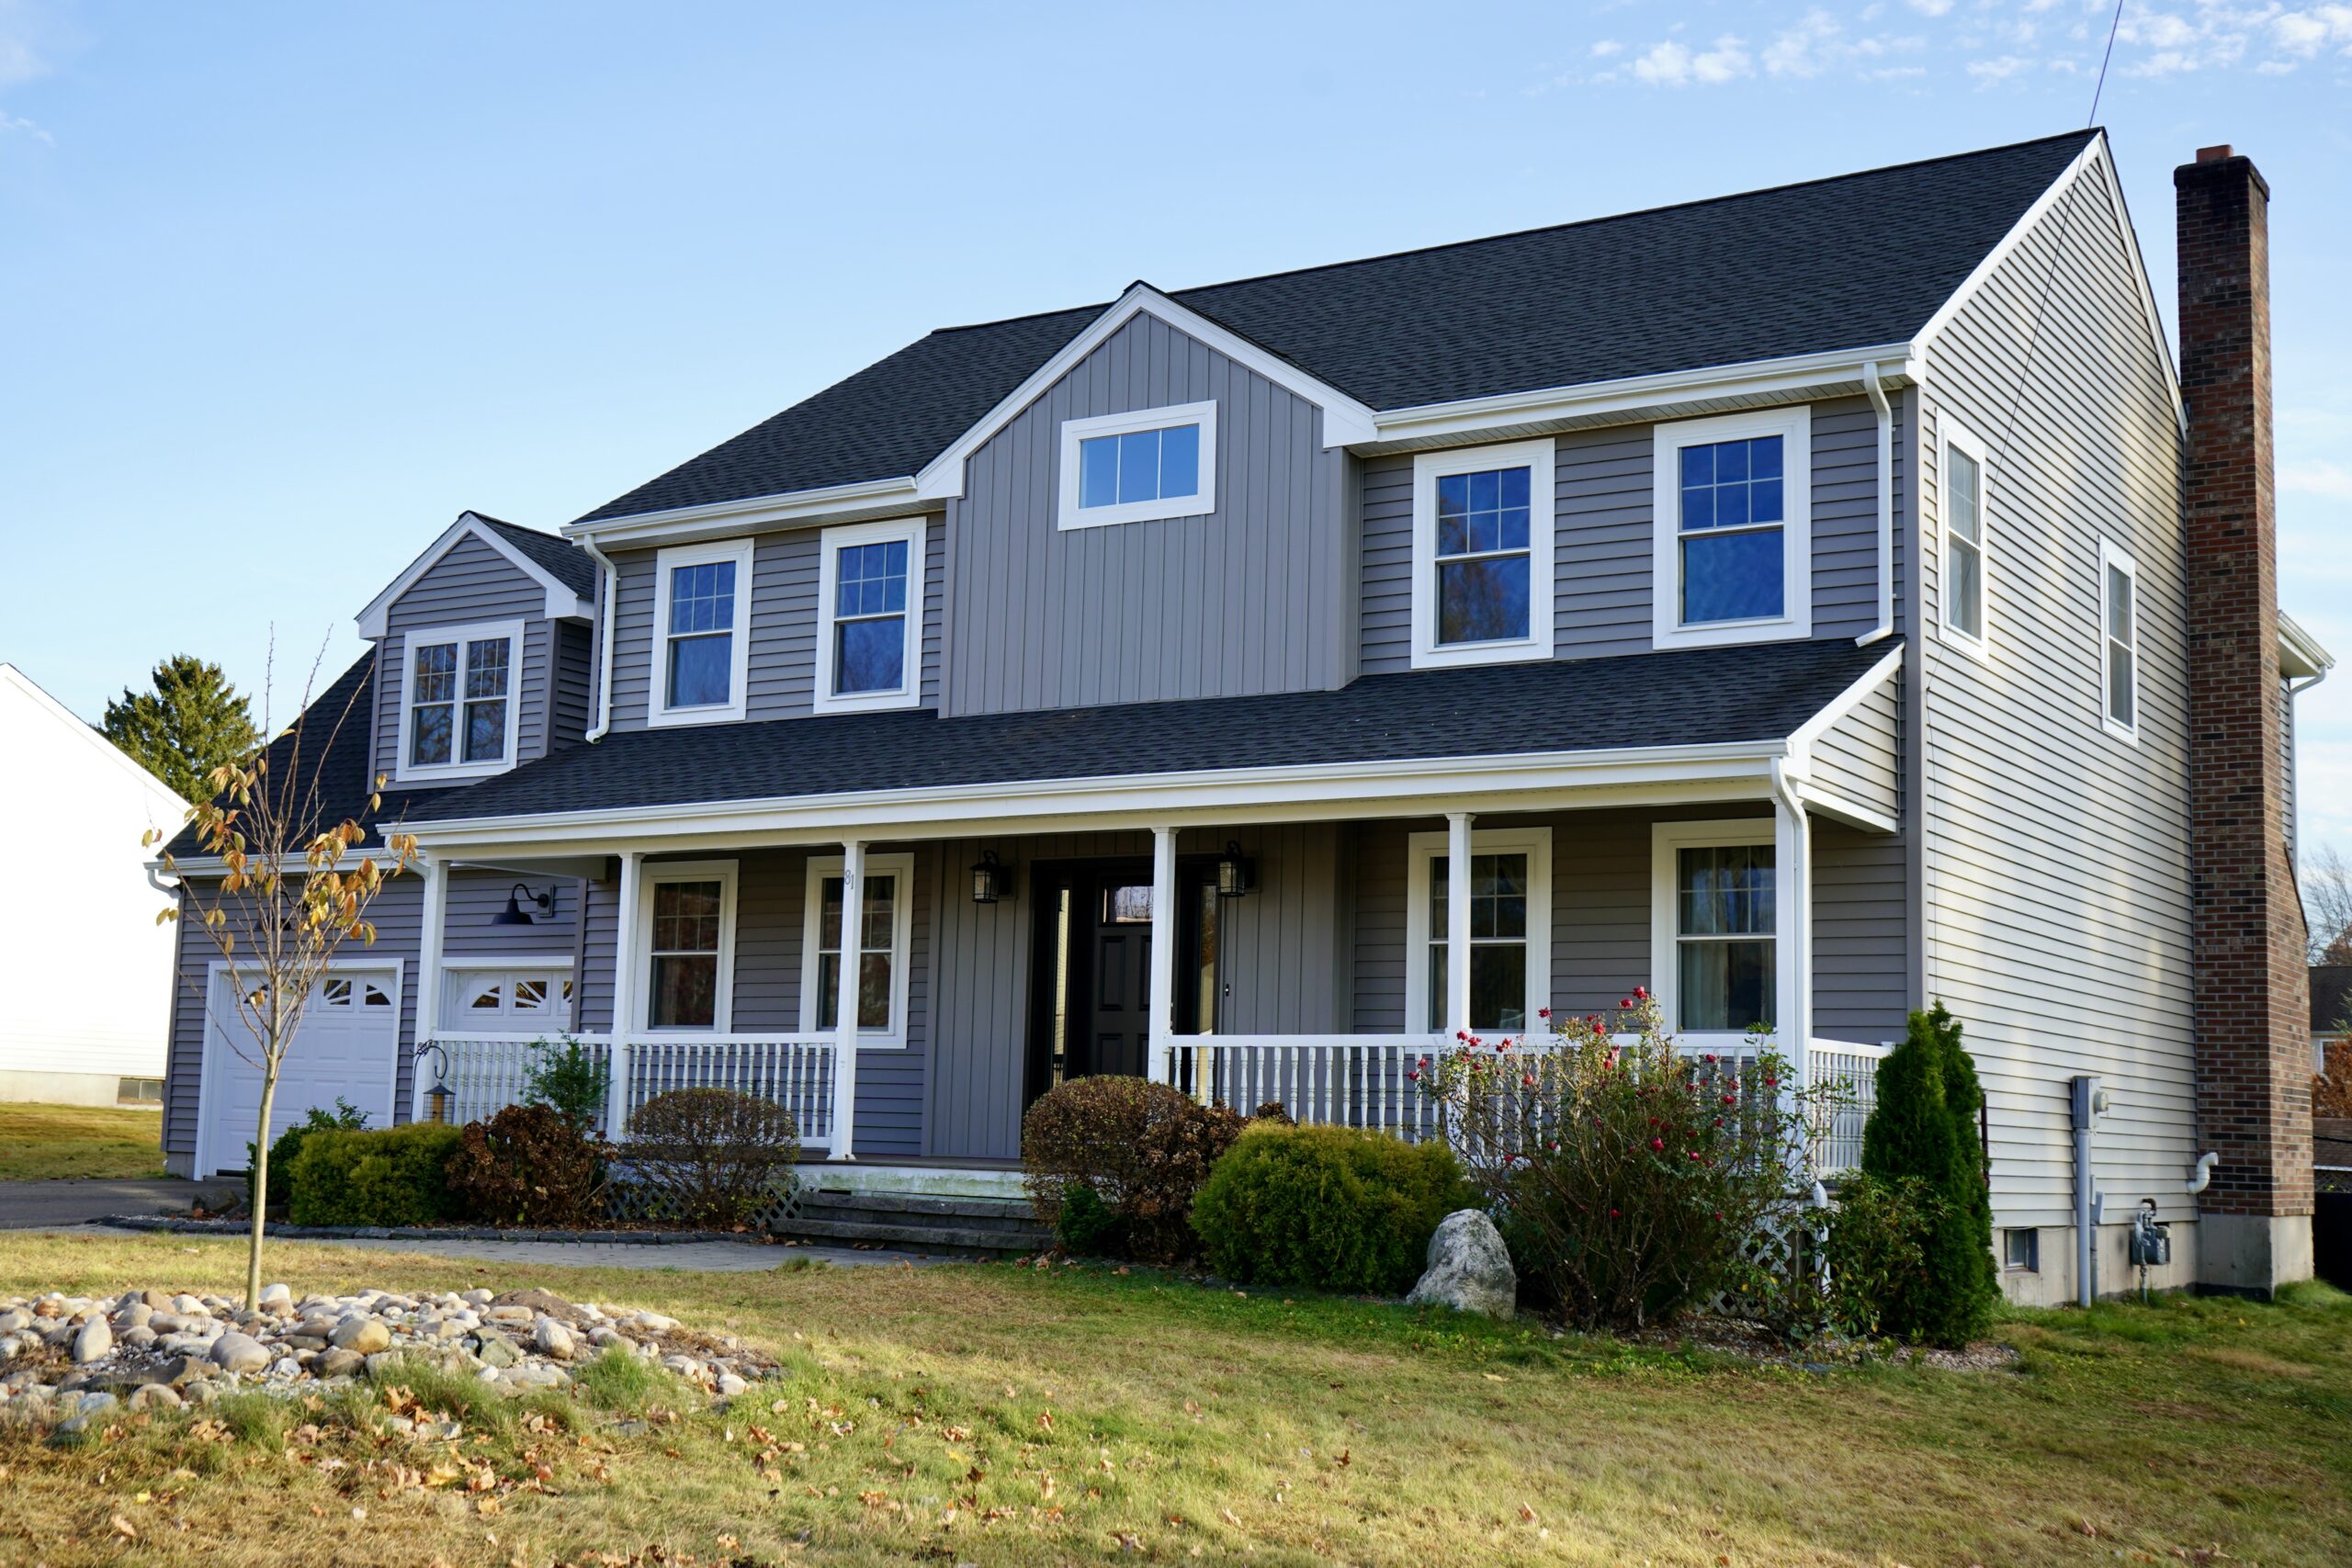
column 1696, row 697
column 567, row 561
column 338, row 749
column 1852, row 262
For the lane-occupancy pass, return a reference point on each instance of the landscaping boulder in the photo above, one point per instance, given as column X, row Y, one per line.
column 240, row 1352
column 93, row 1343
column 1469, row 1269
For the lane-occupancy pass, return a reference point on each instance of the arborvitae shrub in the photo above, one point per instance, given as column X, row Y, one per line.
column 1924, row 1129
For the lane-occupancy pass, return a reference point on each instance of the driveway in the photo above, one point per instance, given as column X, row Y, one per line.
column 25, row 1204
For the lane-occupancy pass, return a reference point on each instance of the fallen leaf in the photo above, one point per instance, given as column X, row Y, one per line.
column 125, row 1529
column 1527, row 1513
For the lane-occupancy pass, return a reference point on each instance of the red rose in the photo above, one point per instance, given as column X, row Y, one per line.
column 1658, row 1145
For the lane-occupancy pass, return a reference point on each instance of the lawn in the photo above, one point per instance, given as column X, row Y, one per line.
column 40, row 1143
column 992, row 1415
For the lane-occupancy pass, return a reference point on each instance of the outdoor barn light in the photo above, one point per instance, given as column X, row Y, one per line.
column 516, row 915
column 1236, row 872
column 990, row 879
column 438, row 1098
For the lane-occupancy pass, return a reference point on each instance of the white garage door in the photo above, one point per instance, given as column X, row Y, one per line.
column 349, row 1042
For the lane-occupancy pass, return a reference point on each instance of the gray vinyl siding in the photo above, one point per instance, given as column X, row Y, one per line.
column 1604, row 545
column 476, row 895
column 1253, row 597
column 471, row 583
column 1858, row 757
column 781, row 674
column 574, row 709
column 2056, row 875
column 1861, row 913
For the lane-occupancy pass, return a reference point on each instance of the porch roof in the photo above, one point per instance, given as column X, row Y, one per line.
column 1702, row 697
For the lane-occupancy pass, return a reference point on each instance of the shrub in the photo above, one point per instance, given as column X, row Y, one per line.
column 1331, row 1208
column 2332, row 1086
column 1143, row 1149
column 713, row 1156
column 392, row 1176
column 1924, row 1130
column 567, row 1079
column 1876, row 1249
column 529, row 1165
column 1631, row 1179
column 1086, row 1223
column 282, row 1150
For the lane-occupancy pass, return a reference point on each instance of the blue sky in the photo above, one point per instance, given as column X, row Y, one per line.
column 285, row 288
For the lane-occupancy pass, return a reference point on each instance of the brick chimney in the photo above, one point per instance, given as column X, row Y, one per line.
column 2254, row 1076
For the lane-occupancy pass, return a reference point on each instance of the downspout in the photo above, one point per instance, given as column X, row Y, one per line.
column 1876, row 391
column 610, row 579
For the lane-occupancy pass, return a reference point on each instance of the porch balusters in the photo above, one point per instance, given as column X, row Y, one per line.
column 845, row 994
column 628, row 946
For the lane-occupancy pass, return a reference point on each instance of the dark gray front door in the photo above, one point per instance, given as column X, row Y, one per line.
column 1119, row 1013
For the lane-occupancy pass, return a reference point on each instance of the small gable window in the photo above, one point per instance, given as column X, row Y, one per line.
column 1134, row 468
column 1482, row 554
column 1964, row 564
column 869, row 599
column 700, row 615
column 459, row 718
column 1733, row 536
column 2119, row 641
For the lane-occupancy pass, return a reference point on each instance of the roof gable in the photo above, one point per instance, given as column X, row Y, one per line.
column 567, row 579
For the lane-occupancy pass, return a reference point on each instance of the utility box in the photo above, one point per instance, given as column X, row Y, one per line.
column 2151, row 1238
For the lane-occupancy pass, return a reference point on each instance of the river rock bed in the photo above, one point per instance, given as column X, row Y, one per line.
column 67, row 1359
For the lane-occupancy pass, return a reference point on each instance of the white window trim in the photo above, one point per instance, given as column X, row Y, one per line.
column 406, row 772
column 902, row 918
column 1069, row 514
column 656, row 697
column 1422, row 850
column 723, row 873
column 912, row 532
column 1666, row 840
column 1537, row 456
column 1977, row 644
column 1794, row 424
column 508, row 1019
column 2111, row 556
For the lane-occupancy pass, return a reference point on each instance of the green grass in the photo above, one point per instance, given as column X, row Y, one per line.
column 40, row 1142
column 990, row 1415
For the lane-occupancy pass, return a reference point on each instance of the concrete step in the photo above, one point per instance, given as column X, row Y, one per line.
column 965, row 1213
column 938, row 1240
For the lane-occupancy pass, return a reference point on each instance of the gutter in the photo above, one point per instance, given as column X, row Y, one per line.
column 1876, row 390
column 604, row 618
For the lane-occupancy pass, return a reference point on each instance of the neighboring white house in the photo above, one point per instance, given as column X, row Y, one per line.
column 86, row 972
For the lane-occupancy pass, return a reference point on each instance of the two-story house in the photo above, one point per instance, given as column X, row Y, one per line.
column 1808, row 604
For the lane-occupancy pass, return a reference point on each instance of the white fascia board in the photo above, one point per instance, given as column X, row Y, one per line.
column 1222, row 789
column 1845, row 702
column 1829, row 802
column 1480, row 416
column 726, row 519
column 2301, row 657
column 563, row 603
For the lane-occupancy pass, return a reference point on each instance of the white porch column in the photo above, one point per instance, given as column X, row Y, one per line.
column 1163, row 952
column 628, row 956
column 1793, row 928
column 1457, row 923
column 845, row 998
column 428, row 979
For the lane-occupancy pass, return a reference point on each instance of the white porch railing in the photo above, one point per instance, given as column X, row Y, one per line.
column 487, row 1072
column 1364, row 1080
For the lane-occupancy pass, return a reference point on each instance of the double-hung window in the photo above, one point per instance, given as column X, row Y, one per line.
column 869, row 614
column 1135, row 468
column 1963, row 562
column 1511, row 930
column 875, row 950
column 1482, row 554
column 1714, row 925
column 688, row 918
column 459, row 715
column 1734, row 529
column 701, row 615
column 2119, row 642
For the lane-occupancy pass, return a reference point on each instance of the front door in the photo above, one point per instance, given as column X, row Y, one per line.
column 1091, row 986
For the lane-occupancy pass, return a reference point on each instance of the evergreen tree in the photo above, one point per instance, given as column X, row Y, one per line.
column 192, row 722
column 1924, row 1128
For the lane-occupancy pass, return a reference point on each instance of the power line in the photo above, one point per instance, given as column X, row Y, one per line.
column 2114, row 25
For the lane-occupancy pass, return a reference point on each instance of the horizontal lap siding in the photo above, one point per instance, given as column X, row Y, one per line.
column 476, row 896
column 1845, row 517
column 2056, row 855
column 1602, row 547
column 1861, row 951
column 471, row 583
column 1859, row 756
column 1250, row 598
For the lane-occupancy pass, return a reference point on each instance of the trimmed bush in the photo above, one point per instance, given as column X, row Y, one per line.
column 1142, row 1149
column 1924, row 1131
column 529, row 1165
column 1329, row 1207
column 394, row 1176
column 566, row 1077
column 713, row 1156
column 346, row 1116
column 1876, row 1249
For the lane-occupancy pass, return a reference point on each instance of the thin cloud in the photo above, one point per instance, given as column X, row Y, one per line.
column 1672, row 64
column 2317, row 477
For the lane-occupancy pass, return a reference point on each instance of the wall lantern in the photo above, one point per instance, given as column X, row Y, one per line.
column 516, row 915
column 991, row 880
column 1236, row 872
column 438, row 1098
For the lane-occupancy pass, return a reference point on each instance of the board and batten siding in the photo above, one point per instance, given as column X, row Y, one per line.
column 1602, row 546
column 2056, row 866
column 1256, row 597
column 474, row 583
column 781, row 674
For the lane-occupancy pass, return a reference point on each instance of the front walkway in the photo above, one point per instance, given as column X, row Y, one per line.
column 26, row 1204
